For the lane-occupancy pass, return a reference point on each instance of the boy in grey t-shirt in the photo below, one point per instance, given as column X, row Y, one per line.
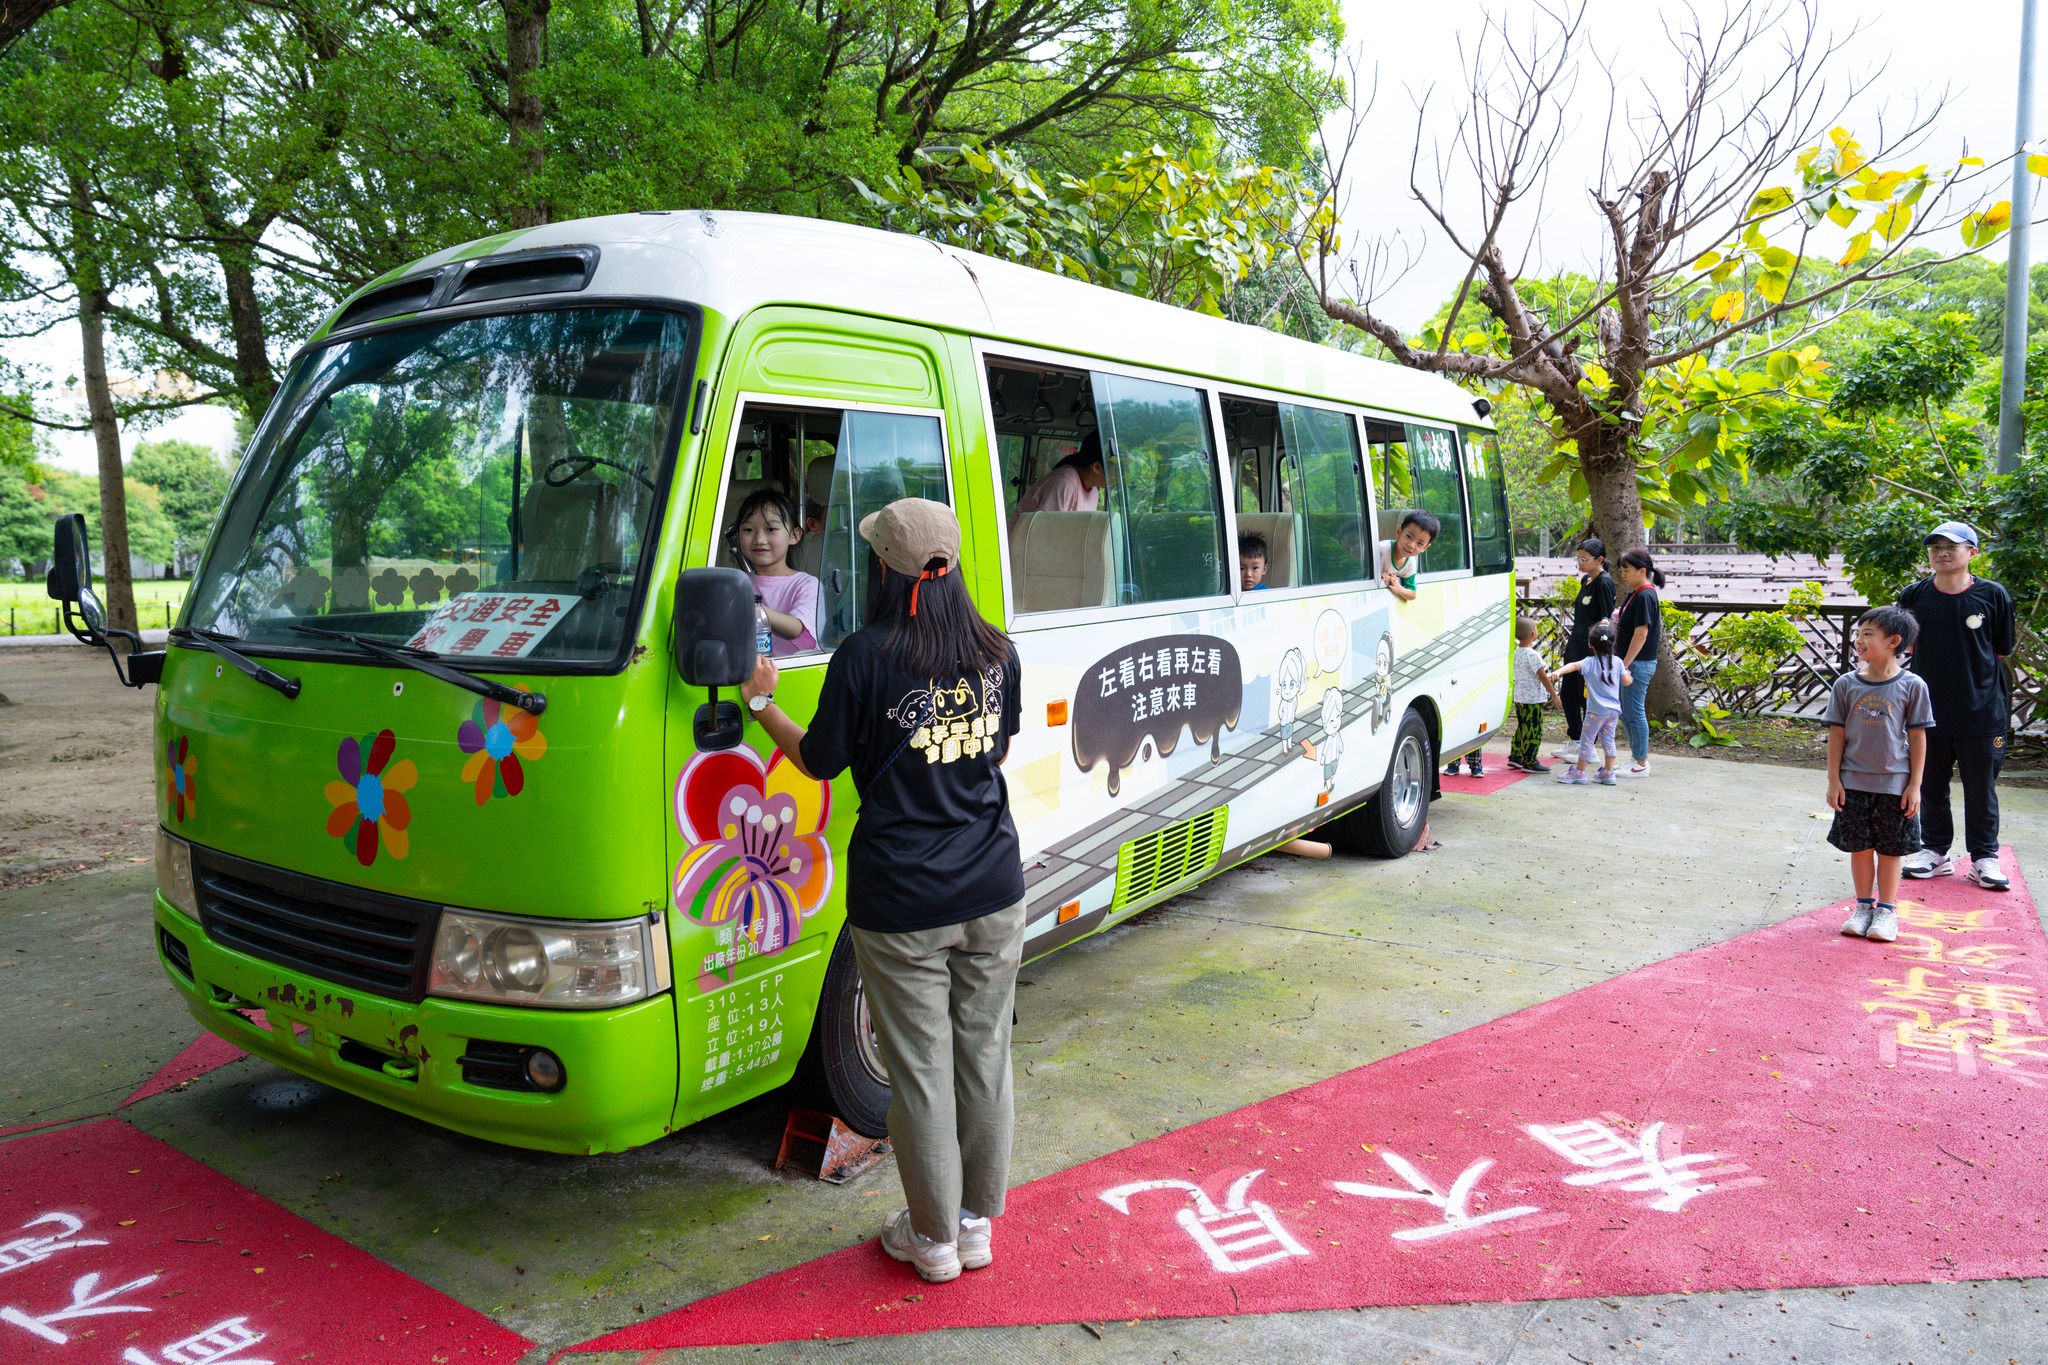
column 1877, row 720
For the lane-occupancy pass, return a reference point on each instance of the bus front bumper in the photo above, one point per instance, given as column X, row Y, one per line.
column 453, row 1063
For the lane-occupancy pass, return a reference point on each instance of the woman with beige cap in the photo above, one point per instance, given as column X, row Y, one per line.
column 921, row 703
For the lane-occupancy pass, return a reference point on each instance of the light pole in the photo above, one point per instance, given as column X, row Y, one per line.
column 2012, row 385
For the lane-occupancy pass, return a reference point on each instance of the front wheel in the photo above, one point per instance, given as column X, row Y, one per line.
column 1391, row 823
column 842, row 1071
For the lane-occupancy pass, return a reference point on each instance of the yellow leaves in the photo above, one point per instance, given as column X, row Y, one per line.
column 2037, row 163
column 1982, row 229
column 1707, row 261
column 1859, row 247
column 1776, row 258
column 1841, row 215
column 1772, row 284
column 1971, row 161
column 1848, row 152
column 1893, row 222
column 1772, row 199
column 1727, row 307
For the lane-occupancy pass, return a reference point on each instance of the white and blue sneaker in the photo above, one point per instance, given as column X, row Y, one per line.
column 935, row 1262
column 1927, row 863
column 1858, row 923
column 1987, row 873
column 1884, row 925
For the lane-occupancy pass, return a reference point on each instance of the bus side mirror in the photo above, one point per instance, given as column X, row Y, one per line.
column 714, row 646
column 70, row 580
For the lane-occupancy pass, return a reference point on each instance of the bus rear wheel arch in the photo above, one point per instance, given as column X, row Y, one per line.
column 1391, row 822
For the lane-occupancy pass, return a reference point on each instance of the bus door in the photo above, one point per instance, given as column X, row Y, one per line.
column 821, row 419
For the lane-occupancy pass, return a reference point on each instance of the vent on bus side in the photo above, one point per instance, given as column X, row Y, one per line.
column 1163, row 860
column 553, row 271
column 406, row 296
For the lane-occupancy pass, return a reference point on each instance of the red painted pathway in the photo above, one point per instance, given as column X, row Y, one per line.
column 1790, row 1108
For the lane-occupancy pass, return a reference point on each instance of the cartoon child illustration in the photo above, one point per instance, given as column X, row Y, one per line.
column 1383, row 683
column 1287, row 681
column 1332, row 747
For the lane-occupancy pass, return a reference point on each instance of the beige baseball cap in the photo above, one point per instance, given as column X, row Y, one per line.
column 911, row 532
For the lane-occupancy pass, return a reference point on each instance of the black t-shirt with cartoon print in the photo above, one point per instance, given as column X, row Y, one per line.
column 934, row 844
column 1962, row 638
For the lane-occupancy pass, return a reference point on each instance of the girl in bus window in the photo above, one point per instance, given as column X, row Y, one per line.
column 766, row 530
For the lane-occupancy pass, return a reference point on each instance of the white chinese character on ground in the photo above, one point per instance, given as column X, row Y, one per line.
column 28, row 1250
column 88, row 1300
column 220, row 1344
column 1454, row 1204
column 1640, row 1165
column 1242, row 1235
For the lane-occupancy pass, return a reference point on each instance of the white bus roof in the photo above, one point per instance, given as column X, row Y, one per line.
column 733, row 263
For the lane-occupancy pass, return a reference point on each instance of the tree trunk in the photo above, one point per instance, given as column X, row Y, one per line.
column 526, row 34
column 253, row 374
column 106, row 434
column 1610, row 469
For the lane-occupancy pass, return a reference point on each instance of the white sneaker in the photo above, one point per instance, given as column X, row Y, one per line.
column 1636, row 769
column 1570, row 753
column 974, row 1243
column 935, row 1262
column 1884, row 926
column 1988, row 874
column 1858, row 923
column 1927, row 863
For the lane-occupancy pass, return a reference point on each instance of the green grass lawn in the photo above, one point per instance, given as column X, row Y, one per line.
column 25, row 609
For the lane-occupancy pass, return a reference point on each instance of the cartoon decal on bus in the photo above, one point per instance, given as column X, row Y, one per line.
column 484, row 837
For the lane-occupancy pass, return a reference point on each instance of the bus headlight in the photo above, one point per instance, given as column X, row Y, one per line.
column 565, row 964
column 174, row 873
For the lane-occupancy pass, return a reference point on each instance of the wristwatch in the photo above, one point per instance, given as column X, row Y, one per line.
column 759, row 703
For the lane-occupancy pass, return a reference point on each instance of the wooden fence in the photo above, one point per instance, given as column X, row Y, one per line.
column 1799, row 686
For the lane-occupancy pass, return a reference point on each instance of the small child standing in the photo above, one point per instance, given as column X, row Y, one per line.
column 1532, row 684
column 764, row 533
column 1878, row 718
column 1604, row 677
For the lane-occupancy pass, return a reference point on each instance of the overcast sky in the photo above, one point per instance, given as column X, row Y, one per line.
column 1965, row 48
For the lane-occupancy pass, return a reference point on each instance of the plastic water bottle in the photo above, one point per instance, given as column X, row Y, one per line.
column 764, row 638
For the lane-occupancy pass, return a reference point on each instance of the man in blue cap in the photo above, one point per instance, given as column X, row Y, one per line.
column 1966, row 632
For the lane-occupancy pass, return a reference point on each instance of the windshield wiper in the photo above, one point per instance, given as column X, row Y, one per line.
column 533, row 703
column 218, row 643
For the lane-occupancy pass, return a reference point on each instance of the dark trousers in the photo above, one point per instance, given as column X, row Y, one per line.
column 1979, row 757
column 1572, row 692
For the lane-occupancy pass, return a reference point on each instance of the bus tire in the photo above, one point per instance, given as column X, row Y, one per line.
column 1391, row 822
column 842, row 1071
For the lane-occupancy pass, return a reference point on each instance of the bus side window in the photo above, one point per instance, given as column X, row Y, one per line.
column 1320, row 449
column 1486, row 482
column 881, row 456
column 1386, row 445
column 1433, row 464
column 1162, row 492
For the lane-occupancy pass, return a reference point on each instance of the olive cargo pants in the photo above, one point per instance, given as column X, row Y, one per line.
column 941, row 1002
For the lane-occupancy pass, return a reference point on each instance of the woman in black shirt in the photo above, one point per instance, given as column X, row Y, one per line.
column 921, row 703
column 1595, row 603
column 1639, row 627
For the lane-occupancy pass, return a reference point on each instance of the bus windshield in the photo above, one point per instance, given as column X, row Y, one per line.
column 481, row 488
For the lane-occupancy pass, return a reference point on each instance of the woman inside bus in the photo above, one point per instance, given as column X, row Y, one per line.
column 935, row 882
column 1073, row 485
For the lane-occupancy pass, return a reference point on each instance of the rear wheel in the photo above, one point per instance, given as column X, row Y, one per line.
column 1391, row 823
column 842, row 1071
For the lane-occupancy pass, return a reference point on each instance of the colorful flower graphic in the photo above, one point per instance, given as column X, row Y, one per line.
column 181, row 790
column 369, row 801
column 496, row 738
column 758, row 854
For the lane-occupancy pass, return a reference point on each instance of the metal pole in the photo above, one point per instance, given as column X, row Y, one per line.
column 2013, row 383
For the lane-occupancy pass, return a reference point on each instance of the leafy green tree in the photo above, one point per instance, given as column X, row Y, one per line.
column 191, row 482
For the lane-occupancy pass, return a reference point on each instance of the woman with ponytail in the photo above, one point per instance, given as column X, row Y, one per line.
column 921, row 704
column 1639, row 625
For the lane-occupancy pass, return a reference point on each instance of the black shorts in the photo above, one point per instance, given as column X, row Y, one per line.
column 1874, row 821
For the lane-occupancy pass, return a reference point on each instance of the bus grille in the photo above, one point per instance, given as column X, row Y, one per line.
column 367, row 940
column 1163, row 860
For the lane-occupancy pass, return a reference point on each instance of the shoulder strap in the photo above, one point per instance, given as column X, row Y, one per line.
column 931, row 706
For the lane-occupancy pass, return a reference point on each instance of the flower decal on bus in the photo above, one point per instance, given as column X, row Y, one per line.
column 497, row 738
column 369, row 802
column 181, row 791
column 757, row 857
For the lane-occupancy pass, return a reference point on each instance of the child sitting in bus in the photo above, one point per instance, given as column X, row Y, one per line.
column 764, row 532
column 1252, row 558
column 1418, row 531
